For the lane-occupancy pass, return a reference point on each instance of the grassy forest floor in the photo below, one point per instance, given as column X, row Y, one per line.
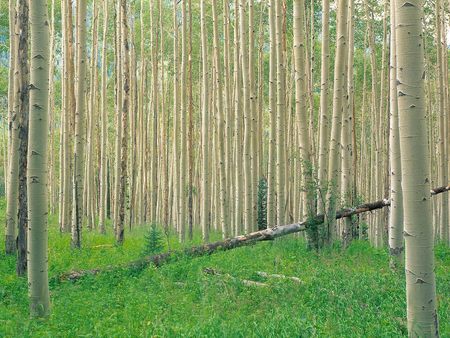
column 350, row 293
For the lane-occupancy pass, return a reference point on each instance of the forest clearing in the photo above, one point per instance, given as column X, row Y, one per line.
column 224, row 168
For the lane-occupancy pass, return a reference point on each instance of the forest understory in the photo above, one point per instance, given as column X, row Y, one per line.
column 341, row 293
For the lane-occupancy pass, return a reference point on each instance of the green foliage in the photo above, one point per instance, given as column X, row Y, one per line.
column 262, row 204
column 153, row 241
column 348, row 293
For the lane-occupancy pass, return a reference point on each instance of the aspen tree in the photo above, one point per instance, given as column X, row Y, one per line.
column 443, row 220
column 323, row 120
column 69, row 107
column 395, row 229
column 271, row 184
column 262, row 159
column 375, row 148
column 155, row 84
column 190, row 131
column 229, row 112
column 347, row 130
column 37, row 162
column 80, row 138
column 13, row 140
column 183, row 114
column 141, row 125
column 89, row 194
column 281, row 117
column 104, row 125
column 118, row 108
column 125, row 111
column 300, row 107
column 205, row 206
column 418, row 228
column 220, row 127
column 132, row 139
column 253, row 111
column 383, row 123
column 23, row 68
column 176, row 120
column 339, row 92
column 51, row 106
column 248, row 196
column 239, row 220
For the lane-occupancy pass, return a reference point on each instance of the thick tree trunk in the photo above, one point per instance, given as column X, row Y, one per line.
column 418, row 226
column 37, row 160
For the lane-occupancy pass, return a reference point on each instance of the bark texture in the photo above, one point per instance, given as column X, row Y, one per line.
column 37, row 162
column 418, row 231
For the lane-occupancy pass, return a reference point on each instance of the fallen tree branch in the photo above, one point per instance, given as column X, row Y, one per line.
column 211, row 271
column 277, row 276
column 242, row 240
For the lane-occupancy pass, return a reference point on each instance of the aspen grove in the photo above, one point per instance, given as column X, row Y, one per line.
column 142, row 140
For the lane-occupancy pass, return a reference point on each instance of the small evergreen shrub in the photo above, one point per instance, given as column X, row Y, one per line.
column 262, row 204
column 153, row 242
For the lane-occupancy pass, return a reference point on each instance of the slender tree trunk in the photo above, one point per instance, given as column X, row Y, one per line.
column 347, row 130
column 339, row 93
column 248, row 208
column 155, row 92
column 254, row 153
column 443, row 222
column 23, row 118
column 125, row 112
column 89, row 180
column 418, row 233
column 238, row 146
column 183, row 115
column 220, row 127
column 80, row 138
column 205, row 128
column 323, row 122
column 396, row 212
column 104, row 125
column 271, row 182
column 190, row 132
column 52, row 186
column 37, row 160
column 13, row 139
column 308, row 192
column 281, row 116
column 118, row 108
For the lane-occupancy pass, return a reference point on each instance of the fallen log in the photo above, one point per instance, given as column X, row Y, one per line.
column 242, row 240
column 278, row 276
column 211, row 271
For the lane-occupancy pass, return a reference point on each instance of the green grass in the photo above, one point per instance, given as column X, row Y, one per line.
column 342, row 294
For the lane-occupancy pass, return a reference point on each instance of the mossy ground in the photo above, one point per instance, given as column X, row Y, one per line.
column 348, row 293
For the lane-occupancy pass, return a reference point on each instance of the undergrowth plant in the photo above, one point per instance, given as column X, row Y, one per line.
column 154, row 241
